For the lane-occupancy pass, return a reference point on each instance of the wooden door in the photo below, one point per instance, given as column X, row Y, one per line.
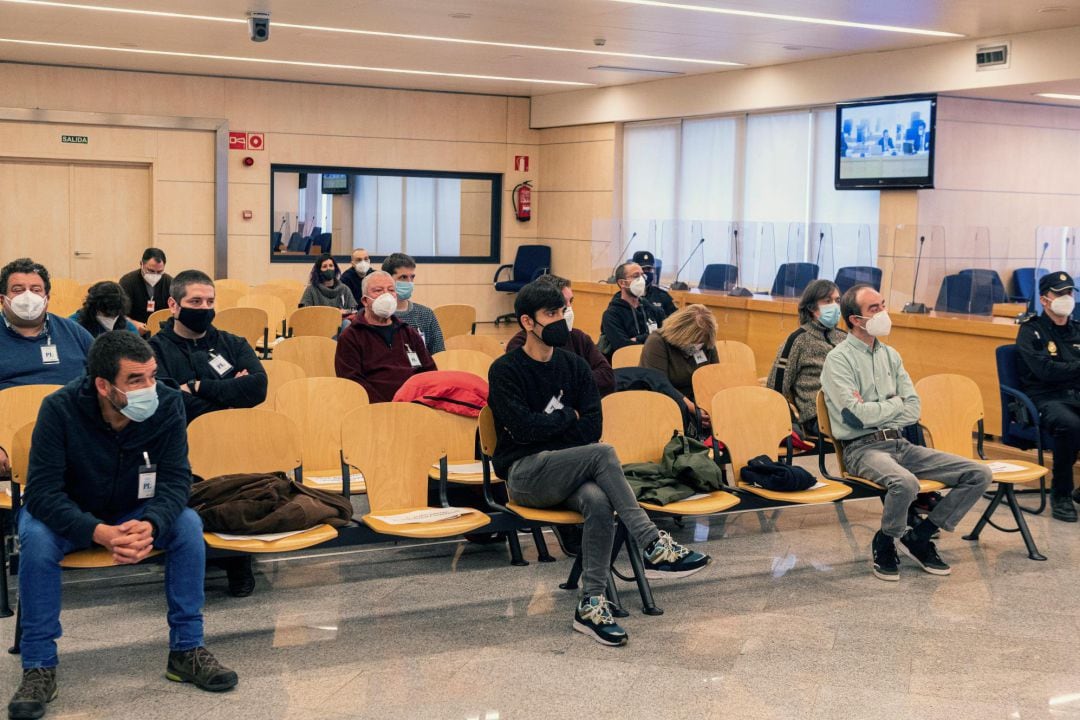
column 35, row 202
column 111, row 221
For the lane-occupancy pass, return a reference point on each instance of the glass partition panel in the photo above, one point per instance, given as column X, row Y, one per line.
column 919, row 267
column 971, row 285
column 1055, row 251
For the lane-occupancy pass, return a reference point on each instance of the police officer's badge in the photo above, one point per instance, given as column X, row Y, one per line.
column 1052, row 347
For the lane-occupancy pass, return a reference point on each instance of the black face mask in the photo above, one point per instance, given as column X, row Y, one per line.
column 327, row 274
column 554, row 334
column 197, row 320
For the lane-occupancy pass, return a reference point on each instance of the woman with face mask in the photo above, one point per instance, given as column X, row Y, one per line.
column 105, row 308
column 326, row 289
column 796, row 372
column 686, row 342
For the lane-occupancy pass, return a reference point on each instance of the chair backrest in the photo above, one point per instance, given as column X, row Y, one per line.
column 239, row 286
column 484, row 343
column 317, row 320
column 227, row 297
column 951, row 406
column 272, row 306
column 488, row 435
column 459, row 432
column 65, row 286
column 243, row 440
column 455, row 319
column 627, row 356
column 1024, row 282
column 738, row 353
column 792, row 278
column 63, row 303
column 314, row 354
column 316, row 405
column 718, row 276
column 972, row 291
column 750, row 421
column 639, row 423
column 18, row 406
column 530, row 261
column 855, row 274
column 157, row 319
column 470, row 361
column 288, row 294
column 20, row 453
column 1013, row 431
column 248, row 322
column 278, row 372
column 711, row 379
column 296, row 285
column 394, row 445
column 825, row 429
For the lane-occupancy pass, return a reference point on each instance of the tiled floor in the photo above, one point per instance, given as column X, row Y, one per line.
column 787, row 623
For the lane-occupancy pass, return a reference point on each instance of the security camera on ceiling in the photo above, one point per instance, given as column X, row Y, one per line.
column 259, row 26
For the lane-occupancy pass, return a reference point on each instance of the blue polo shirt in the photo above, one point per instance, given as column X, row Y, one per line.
column 23, row 360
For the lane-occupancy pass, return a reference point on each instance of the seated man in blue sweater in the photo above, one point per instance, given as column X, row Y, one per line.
column 548, row 418
column 109, row 467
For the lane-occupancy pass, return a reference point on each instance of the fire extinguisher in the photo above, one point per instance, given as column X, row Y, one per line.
column 521, row 198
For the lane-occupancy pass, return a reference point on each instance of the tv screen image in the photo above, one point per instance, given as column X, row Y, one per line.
column 335, row 184
column 886, row 143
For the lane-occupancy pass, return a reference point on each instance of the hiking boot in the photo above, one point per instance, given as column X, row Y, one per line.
column 569, row 537
column 241, row 577
column 38, row 687
column 593, row 618
column 200, row 667
column 886, row 564
column 1061, row 508
column 924, row 554
column 666, row 558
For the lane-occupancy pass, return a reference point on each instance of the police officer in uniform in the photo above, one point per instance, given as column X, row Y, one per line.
column 655, row 295
column 1049, row 346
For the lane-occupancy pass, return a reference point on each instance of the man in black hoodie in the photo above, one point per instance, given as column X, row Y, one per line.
column 215, row 370
column 628, row 320
column 108, row 466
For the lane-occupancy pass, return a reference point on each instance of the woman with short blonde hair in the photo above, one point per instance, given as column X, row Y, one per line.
column 685, row 342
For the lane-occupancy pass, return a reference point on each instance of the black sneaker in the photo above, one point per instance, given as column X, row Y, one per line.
column 926, row 502
column 200, row 667
column 38, row 687
column 924, row 554
column 593, row 618
column 241, row 577
column 1076, row 495
column 569, row 537
column 886, row 563
column 1062, row 509
column 665, row 558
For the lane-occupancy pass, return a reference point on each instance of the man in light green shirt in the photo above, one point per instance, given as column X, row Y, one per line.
column 870, row 399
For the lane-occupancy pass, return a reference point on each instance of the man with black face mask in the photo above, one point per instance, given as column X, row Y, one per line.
column 548, row 419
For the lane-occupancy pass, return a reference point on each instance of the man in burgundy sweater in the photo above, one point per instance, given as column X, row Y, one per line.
column 377, row 350
column 579, row 343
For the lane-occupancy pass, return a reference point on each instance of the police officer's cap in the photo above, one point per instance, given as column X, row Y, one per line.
column 644, row 258
column 1055, row 282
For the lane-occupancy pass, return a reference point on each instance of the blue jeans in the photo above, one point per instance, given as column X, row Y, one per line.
column 39, row 584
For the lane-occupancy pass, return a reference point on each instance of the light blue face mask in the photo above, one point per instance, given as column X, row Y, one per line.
column 141, row 404
column 404, row 289
column 830, row 315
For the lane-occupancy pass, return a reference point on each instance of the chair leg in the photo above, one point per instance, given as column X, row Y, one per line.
column 617, row 610
column 16, row 647
column 1010, row 498
column 575, row 575
column 1042, row 497
column 542, row 553
column 985, row 517
column 644, row 589
column 515, row 549
column 5, row 603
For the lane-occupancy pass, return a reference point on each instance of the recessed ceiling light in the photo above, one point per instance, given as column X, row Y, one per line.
column 294, row 63
column 370, row 33
column 1058, row 96
column 461, row 16
column 792, row 18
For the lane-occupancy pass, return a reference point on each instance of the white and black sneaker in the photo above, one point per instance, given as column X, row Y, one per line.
column 665, row 558
column 924, row 553
column 593, row 618
column 886, row 564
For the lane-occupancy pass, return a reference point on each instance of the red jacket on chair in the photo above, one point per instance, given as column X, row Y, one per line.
column 364, row 356
column 454, row 391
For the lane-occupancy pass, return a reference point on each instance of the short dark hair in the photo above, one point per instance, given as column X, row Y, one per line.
column 24, row 265
column 182, row 279
column 620, row 272
column 537, row 296
column 558, row 282
column 814, row 293
column 394, row 261
column 849, row 304
column 154, row 254
column 105, row 297
column 106, row 352
column 316, row 269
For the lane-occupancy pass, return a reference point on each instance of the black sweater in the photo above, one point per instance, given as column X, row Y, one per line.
column 83, row 473
column 520, row 389
column 624, row 325
column 181, row 361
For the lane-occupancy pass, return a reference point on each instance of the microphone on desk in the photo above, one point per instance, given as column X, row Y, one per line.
column 820, row 246
column 1030, row 313
column 611, row 277
column 916, row 307
column 737, row 291
column 679, row 284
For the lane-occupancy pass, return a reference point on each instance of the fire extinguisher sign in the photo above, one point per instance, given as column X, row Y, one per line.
column 521, row 163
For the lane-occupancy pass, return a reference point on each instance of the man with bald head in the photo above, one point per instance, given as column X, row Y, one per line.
column 360, row 268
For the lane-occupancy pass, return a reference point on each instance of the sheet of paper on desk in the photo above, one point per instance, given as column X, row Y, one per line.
column 268, row 537
column 1003, row 467
column 465, row 468
column 355, row 479
column 429, row 515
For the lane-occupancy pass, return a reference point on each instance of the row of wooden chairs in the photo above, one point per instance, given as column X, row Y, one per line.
column 730, row 352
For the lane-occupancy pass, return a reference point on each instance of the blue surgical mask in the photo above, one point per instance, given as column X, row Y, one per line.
column 830, row 315
column 404, row 289
column 141, row 404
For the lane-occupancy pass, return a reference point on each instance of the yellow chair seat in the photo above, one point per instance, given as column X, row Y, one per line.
column 553, row 516
column 832, row 491
column 466, row 523
column 1030, row 473
column 925, row 486
column 715, row 502
column 309, row 538
column 96, row 557
column 5, row 501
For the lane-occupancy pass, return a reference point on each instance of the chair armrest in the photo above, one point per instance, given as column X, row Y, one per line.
column 501, row 268
column 539, row 272
column 489, row 497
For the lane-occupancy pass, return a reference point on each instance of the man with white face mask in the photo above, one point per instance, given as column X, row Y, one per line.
column 360, row 268
column 1049, row 346
column 147, row 287
column 377, row 350
column 628, row 320
column 871, row 399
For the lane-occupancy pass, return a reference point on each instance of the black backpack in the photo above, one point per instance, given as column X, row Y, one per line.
column 767, row 473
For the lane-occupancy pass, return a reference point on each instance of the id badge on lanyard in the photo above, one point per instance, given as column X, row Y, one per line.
column 147, row 478
column 414, row 359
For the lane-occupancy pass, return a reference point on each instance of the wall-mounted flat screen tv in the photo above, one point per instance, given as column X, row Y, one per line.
column 886, row 143
column 335, row 184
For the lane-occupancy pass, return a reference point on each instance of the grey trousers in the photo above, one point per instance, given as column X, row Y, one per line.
column 590, row 480
column 897, row 464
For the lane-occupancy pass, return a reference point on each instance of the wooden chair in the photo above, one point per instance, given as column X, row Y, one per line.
column 278, row 372
column 470, row 361
column 63, row 303
column 627, row 356
column 456, row 319
column 239, row 287
column 226, row 298
column 66, row 286
column 484, row 343
column 274, row 309
column 314, row 354
column 19, row 405
column 315, row 404
column 733, row 351
column 951, row 406
column 248, row 322
column 246, row 440
column 157, row 319
column 296, row 285
column 751, row 421
column 316, row 320
column 287, row 294
column 393, row 445
column 711, row 379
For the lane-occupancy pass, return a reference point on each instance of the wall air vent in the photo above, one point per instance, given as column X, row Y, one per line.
column 992, row 57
